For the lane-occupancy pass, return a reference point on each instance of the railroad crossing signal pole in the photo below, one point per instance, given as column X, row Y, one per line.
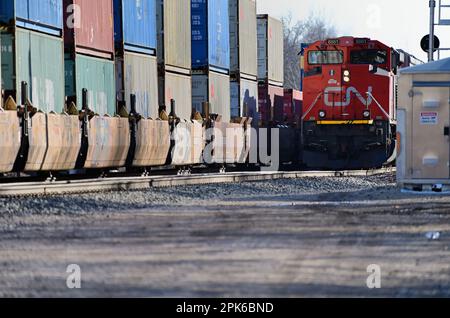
column 431, row 42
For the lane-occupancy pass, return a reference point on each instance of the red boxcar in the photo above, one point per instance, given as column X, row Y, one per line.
column 89, row 27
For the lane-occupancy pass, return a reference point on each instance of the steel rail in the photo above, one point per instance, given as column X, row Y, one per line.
column 148, row 182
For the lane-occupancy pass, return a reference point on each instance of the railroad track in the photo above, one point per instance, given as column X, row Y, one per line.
column 143, row 183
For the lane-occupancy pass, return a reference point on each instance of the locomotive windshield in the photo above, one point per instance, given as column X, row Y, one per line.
column 325, row 57
column 375, row 57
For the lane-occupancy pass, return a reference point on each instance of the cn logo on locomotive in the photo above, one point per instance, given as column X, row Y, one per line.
column 331, row 92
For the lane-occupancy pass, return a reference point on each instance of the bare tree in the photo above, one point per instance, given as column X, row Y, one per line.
column 295, row 33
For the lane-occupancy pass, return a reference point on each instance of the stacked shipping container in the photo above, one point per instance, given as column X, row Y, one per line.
column 137, row 74
column 32, row 51
column 136, row 62
column 292, row 110
column 270, row 67
column 117, row 48
column 41, row 15
column 211, row 56
column 270, row 50
column 243, row 57
column 174, row 55
column 89, row 54
column 270, row 98
column 89, row 65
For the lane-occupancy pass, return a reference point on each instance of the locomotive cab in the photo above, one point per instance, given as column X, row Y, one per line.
column 349, row 98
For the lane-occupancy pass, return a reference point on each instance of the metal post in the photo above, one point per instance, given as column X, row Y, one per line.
column 245, row 110
column 432, row 24
column 173, row 108
column 84, row 96
column 24, row 97
column 133, row 131
column 133, row 104
column 205, row 110
column 85, row 108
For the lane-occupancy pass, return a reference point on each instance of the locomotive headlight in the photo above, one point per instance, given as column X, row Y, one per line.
column 346, row 76
column 366, row 114
column 322, row 114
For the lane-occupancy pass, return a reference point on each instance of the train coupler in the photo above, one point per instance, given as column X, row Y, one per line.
column 51, row 178
column 145, row 173
column 184, row 171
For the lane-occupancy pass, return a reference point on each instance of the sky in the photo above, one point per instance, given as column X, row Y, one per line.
column 397, row 23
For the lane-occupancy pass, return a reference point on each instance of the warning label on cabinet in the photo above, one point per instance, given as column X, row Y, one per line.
column 429, row 118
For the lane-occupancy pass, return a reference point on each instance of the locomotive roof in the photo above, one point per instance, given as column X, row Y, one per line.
column 441, row 66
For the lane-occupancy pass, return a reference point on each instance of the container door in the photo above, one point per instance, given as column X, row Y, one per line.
column 430, row 132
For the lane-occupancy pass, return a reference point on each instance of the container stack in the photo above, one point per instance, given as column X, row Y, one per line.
column 89, row 54
column 174, row 55
column 211, row 56
column 32, row 51
column 137, row 81
column 270, row 67
column 244, row 58
column 32, row 56
column 90, row 83
column 136, row 62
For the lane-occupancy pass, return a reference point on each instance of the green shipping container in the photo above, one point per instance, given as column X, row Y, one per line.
column 38, row 60
column 97, row 76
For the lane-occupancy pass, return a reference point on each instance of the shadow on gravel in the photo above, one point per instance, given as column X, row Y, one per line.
column 422, row 289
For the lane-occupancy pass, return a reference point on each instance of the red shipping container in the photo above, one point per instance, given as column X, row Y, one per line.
column 89, row 27
column 293, row 106
column 271, row 100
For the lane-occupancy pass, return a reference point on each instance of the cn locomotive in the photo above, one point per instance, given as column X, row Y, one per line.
column 350, row 93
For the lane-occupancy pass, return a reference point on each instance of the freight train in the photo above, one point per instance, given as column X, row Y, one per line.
column 181, row 83
column 350, row 95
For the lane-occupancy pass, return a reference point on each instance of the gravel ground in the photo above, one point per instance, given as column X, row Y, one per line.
column 286, row 238
column 183, row 196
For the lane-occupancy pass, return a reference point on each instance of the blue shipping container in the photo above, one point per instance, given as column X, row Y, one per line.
column 39, row 15
column 210, row 35
column 135, row 25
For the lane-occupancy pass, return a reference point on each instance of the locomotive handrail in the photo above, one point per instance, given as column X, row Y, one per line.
column 378, row 104
column 312, row 105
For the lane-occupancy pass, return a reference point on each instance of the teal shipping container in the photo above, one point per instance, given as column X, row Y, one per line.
column 97, row 76
column 37, row 59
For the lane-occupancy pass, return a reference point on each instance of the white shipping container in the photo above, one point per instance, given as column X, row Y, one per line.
column 243, row 38
column 174, row 34
column 179, row 88
column 138, row 74
column 215, row 89
column 270, row 50
column 244, row 92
